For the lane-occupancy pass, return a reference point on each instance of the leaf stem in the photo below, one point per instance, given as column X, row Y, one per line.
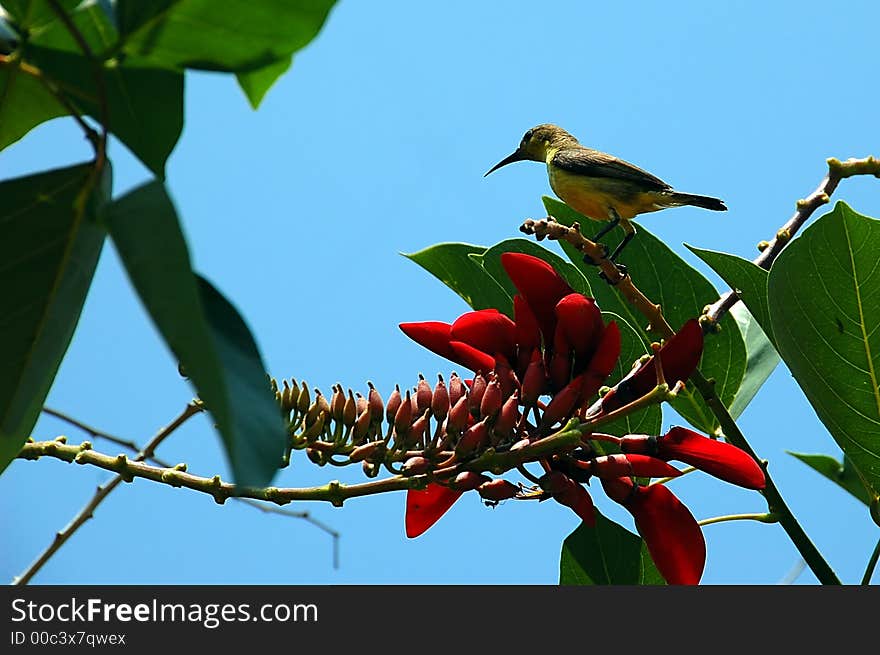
column 100, row 82
column 102, row 492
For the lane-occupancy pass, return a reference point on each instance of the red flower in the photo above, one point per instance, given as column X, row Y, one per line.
column 674, row 538
column 557, row 344
column 424, row 507
column 679, row 357
column 718, row 458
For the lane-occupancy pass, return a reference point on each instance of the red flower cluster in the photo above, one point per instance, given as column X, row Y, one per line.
column 557, row 342
column 558, row 345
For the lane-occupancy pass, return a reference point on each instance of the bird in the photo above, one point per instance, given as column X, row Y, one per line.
column 600, row 186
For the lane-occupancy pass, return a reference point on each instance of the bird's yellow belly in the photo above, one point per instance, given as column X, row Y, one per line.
column 594, row 197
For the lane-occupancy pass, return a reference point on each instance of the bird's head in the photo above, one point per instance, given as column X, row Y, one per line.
column 537, row 143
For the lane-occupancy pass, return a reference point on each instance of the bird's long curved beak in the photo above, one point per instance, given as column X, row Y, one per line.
column 516, row 156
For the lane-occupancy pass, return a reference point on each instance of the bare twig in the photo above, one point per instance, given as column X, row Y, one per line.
column 87, row 512
column 256, row 504
column 837, row 170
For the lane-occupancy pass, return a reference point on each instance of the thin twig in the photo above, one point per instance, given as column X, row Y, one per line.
column 837, row 170
column 87, row 512
column 100, row 434
column 97, row 71
column 261, row 506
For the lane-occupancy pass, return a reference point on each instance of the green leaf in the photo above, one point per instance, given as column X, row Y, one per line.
column 234, row 37
column 24, row 104
column 145, row 105
column 841, row 473
column 683, row 292
column 203, row 330
column 645, row 421
column 450, row 263
column 746, row 278
column 606, row 554
column 257, row 83
column 50, row 251
column 491, row 261
column 761, row 359
column 824, row 291
column 31, row 14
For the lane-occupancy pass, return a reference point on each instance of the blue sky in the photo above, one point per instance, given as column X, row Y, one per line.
column 375, row 144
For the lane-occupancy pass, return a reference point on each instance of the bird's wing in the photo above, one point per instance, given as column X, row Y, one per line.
column 593, row 163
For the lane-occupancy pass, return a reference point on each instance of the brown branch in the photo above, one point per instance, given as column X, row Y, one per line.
column 87, row 512
column 550, row 228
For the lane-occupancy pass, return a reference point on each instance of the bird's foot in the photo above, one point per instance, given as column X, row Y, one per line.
column 624, row 272
column 595, row 262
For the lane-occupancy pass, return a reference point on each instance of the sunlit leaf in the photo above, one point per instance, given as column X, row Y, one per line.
column 450, row 263
column 824, row 292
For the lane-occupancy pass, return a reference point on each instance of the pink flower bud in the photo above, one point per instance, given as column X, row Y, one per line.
column 497, row 490
column 490, row 404
column 458, row 416
column 560, row 408
column 456, row 389
column 474, row 438
column 349, row 410
column 366, row 451
column 416, row 466
column 377, row 409
column 467, row 480
column 475, row 397
column 508, row 418
column 337, row 404
column 394, row 403
column 440, row 401
column 404, row 415
column 424, row 395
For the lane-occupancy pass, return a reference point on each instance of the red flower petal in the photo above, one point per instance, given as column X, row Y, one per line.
column 718, row 458
column 603, row 361
column 487, row 330
column 424, row 507
column 679, row 357
column 580, row 321
column 671, row 533
column 615, row 466
column 433, row 335
column 474, row 359
column 528, row 334
column 540, row 285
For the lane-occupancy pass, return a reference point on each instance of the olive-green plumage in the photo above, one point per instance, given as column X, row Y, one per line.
column 598, row 185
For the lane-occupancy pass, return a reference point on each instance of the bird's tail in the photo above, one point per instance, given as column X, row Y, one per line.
column 706, row 202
